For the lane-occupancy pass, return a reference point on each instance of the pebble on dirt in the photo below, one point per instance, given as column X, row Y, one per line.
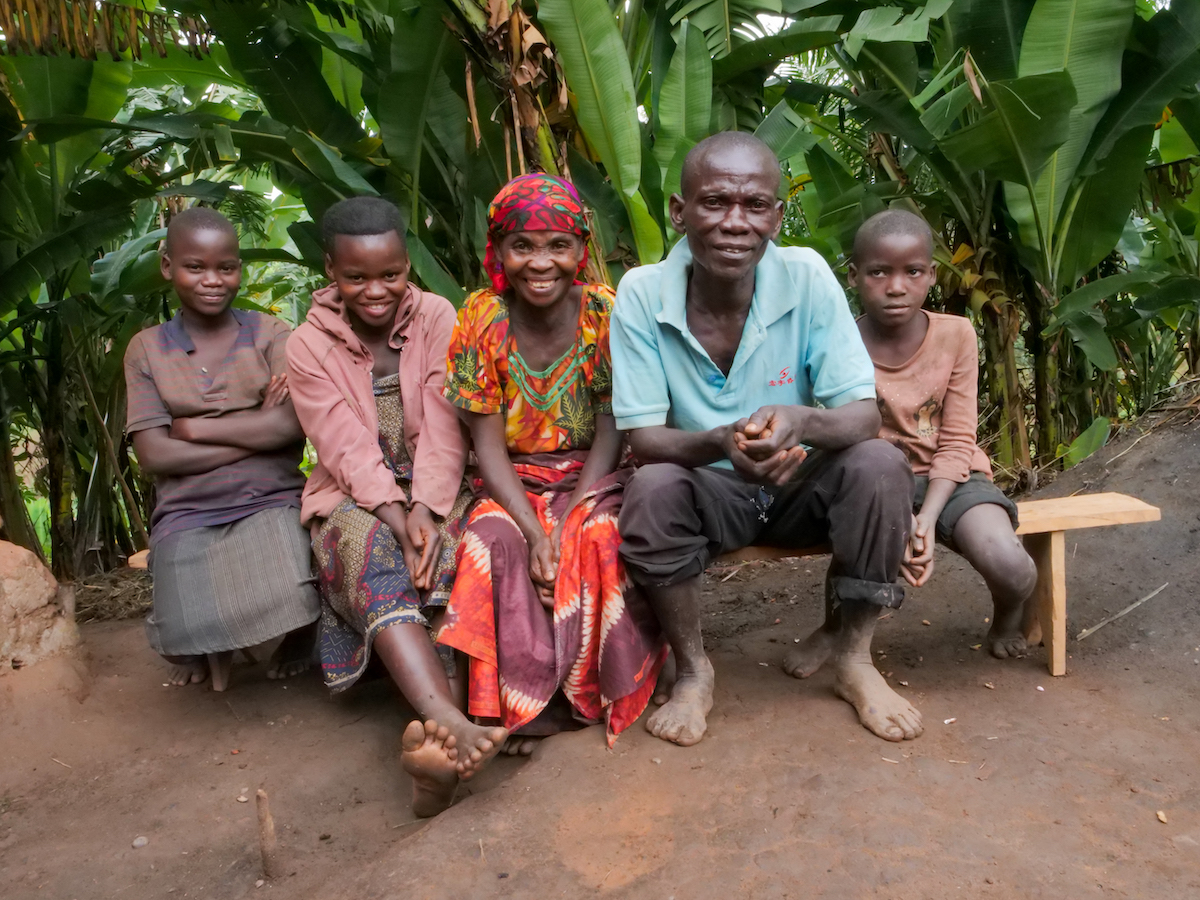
column 141, row 841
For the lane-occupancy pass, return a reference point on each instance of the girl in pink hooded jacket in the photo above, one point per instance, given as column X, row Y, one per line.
column 386, row 502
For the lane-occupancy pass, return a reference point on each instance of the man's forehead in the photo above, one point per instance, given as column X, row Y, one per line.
column 741, row 171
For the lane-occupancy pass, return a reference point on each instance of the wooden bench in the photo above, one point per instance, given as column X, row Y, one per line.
column 1044, row 524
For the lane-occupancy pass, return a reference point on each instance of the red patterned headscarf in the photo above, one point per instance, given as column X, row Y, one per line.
column 533, row 202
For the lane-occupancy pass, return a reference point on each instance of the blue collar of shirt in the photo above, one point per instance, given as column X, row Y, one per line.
column 774, row 297
column 177, row 334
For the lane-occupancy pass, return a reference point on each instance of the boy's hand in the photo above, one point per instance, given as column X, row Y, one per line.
column 543, row 569
column 427, row 540
column 277, row 392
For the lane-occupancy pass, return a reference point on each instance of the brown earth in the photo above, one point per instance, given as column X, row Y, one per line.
column 1026, row 793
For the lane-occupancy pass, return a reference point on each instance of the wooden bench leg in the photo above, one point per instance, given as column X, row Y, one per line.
column 1050, row 595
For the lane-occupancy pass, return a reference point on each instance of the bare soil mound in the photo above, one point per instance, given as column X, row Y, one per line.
column 1012, row 790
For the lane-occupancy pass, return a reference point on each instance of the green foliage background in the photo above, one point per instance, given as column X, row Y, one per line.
column 1050, row 144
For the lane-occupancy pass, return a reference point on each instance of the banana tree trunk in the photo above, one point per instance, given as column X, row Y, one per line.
column 62, row 519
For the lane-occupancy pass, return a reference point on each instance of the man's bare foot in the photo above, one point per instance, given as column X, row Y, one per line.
column 424, row 756
column 666, row 681
column 474, row 744
column 880, row 709
column 187, row 670
column 811, row 653
column 1004, row 638
column 294, row 653
column 519, row 745
column 683, row 719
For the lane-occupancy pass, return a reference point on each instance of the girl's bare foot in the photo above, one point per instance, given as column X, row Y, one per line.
column 880, row 709
column 294, row 653
column 517, row 745
column 432, row 765
column 187, row 670
column 683, row 719
column 812, row 653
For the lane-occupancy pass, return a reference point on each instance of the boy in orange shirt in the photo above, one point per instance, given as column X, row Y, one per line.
column 926, row 375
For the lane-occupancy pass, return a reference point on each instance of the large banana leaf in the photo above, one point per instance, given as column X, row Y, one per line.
column 992, row 31
column 593, row 57
column 767, row 52
column 685, row 102
column 1086, row 39
column 405, row 101
column 1102, row 209
column 282, row 68
column 59, row 251
column 1163, row 63
column 720, row 20
column 889, row 23
column 1026, row 123
column 785, row 132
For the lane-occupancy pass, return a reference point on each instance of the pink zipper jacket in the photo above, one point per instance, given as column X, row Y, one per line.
column 329, row 375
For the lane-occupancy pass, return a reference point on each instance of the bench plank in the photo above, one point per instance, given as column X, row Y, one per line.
column 1083, row 511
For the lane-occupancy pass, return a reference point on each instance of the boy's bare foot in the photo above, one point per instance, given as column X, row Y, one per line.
column 294, row 653
column 880, row 709
column 811, row 653
column 187, row 670
column 424, row 756
column 474, row 744
column 683, row 719
column 1004, row 638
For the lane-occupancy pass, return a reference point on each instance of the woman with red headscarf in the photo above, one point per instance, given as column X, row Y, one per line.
column 541, row 602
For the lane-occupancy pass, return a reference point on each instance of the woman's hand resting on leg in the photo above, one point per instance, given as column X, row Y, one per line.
column 543, row 567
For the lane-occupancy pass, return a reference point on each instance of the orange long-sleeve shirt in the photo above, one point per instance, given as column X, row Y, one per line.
column 930, row 405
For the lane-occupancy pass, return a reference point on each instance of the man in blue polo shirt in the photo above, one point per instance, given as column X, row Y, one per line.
column 749, row 397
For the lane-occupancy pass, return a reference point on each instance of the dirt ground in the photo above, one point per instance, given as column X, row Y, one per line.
column 1022, row 785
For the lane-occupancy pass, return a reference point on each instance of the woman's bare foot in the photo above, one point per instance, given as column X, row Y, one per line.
column 666, row 681
column 187, row 670
column 519, row 745
column 880, row 709
column 683, row 719
column 1004, row 638
column 294, row 653
column 424, row 756
column 812, row 653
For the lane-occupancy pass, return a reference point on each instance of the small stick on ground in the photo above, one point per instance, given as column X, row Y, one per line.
column 267, row 843
column 482, row 856
column 736, row 569
column 1130, row 608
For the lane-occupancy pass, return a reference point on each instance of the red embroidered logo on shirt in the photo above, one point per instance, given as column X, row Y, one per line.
column 784, row 378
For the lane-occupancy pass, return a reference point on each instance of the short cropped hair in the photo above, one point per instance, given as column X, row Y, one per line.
column 722, row 140
column 197, row 218
column 889, row 222
column 360, row 216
